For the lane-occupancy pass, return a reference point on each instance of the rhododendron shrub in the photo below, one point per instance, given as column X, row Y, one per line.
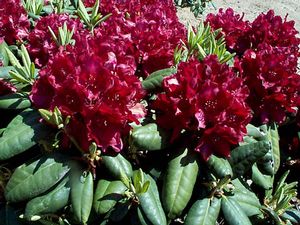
column 98, row 97
column 207, row 100
column 267, row 54
column 14, row 24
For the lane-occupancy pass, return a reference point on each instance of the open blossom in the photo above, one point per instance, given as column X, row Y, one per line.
column 208, row 100
column 270, row 74
column 14, row 24
column 96, row 93
column 41, row 44
column 234, row 28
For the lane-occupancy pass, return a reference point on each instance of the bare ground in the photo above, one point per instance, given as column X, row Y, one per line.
column 251, row 8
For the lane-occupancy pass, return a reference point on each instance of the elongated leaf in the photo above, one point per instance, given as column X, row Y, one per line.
column 204, row 212
column 292, row 215
column 154, row 80
column 28, row 180
column 14, row 101
column 150, row 204
column 260, row 179
column 219, row 167
column 82, row 188
column 3, row 55
column 178, row 185
column 117, row 165
column 274, row 138
column 149, row 137
column 51, row 202
column 23, row 132
column 248, row 203
column 107, row 194
column 243, row 157
column 233, row 213
column 120, row 210
column 4, row 71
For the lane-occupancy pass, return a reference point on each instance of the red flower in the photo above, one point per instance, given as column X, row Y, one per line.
column 233, row 27
column 206, row 99
column 6, row 87
column 41, row 45
column 97, row 95
column 14, row 23
column 270, row 74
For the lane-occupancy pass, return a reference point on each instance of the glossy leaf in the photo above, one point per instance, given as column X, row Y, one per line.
column 274, row 138
column 261, row 179
column 179, row 181
column 14, row 101
column 204, row 212
column 107, row 194
column 117, row 165
column 154, row 80
column 4, row 71
column 233, row 213
column 149, row 137
column 3, row 55
column 51, row 202
column 292, row 215
column 28, row 180
column 243, row 157
column 23, row 132
column 82, row 188
column 219, row 167
column 120, row 210
column 150, row 204
column 248, row 203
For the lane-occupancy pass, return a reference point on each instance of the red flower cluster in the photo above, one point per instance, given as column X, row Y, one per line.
column 207, row 99
column 6, row 87
column 14, row 23
column 150, row 27
column 268, row 50
column 100, row 100
column 41, row 45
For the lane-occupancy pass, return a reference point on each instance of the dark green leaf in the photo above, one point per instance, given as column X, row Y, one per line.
column 243, row 157
column 150, row 204
column 51, row 202
column 233, row 213
column 14, row 101
column 28, row 180
column 248, row 203
column 120, row 210
column 149, row 137
column 116, row 165
column 23, row 132
column 3, row 55
column 219, row 167
column 8, row 216
column 179, row 181
column 82, row 189
column 292, row 215
column 204, row 212
column 154, row 80
column 260, row 179
column 107, row 194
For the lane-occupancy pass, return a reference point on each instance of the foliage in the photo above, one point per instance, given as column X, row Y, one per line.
column 114, row 113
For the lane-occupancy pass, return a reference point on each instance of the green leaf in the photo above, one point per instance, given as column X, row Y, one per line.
column 219, row 167
column 150, row 204
column 179, row 181
column 116, row 165
column 3, row 54
column 51, row 202
column 261, row 180
column 233, row 213
column 120, row 210
column 4, row 71
column 154, row 80
column 23, row 132
column 243, row 157
column 107, row 194
column 14, row 101
column 274, row 138
column 292, row 215
column 82, row 189
column 204, row 212
column 13, row 60
column 255, row 132
column 149, row 137
column 248, row 203
column 28, row 180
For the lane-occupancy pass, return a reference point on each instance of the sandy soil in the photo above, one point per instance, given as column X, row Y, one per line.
column 251, row 8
